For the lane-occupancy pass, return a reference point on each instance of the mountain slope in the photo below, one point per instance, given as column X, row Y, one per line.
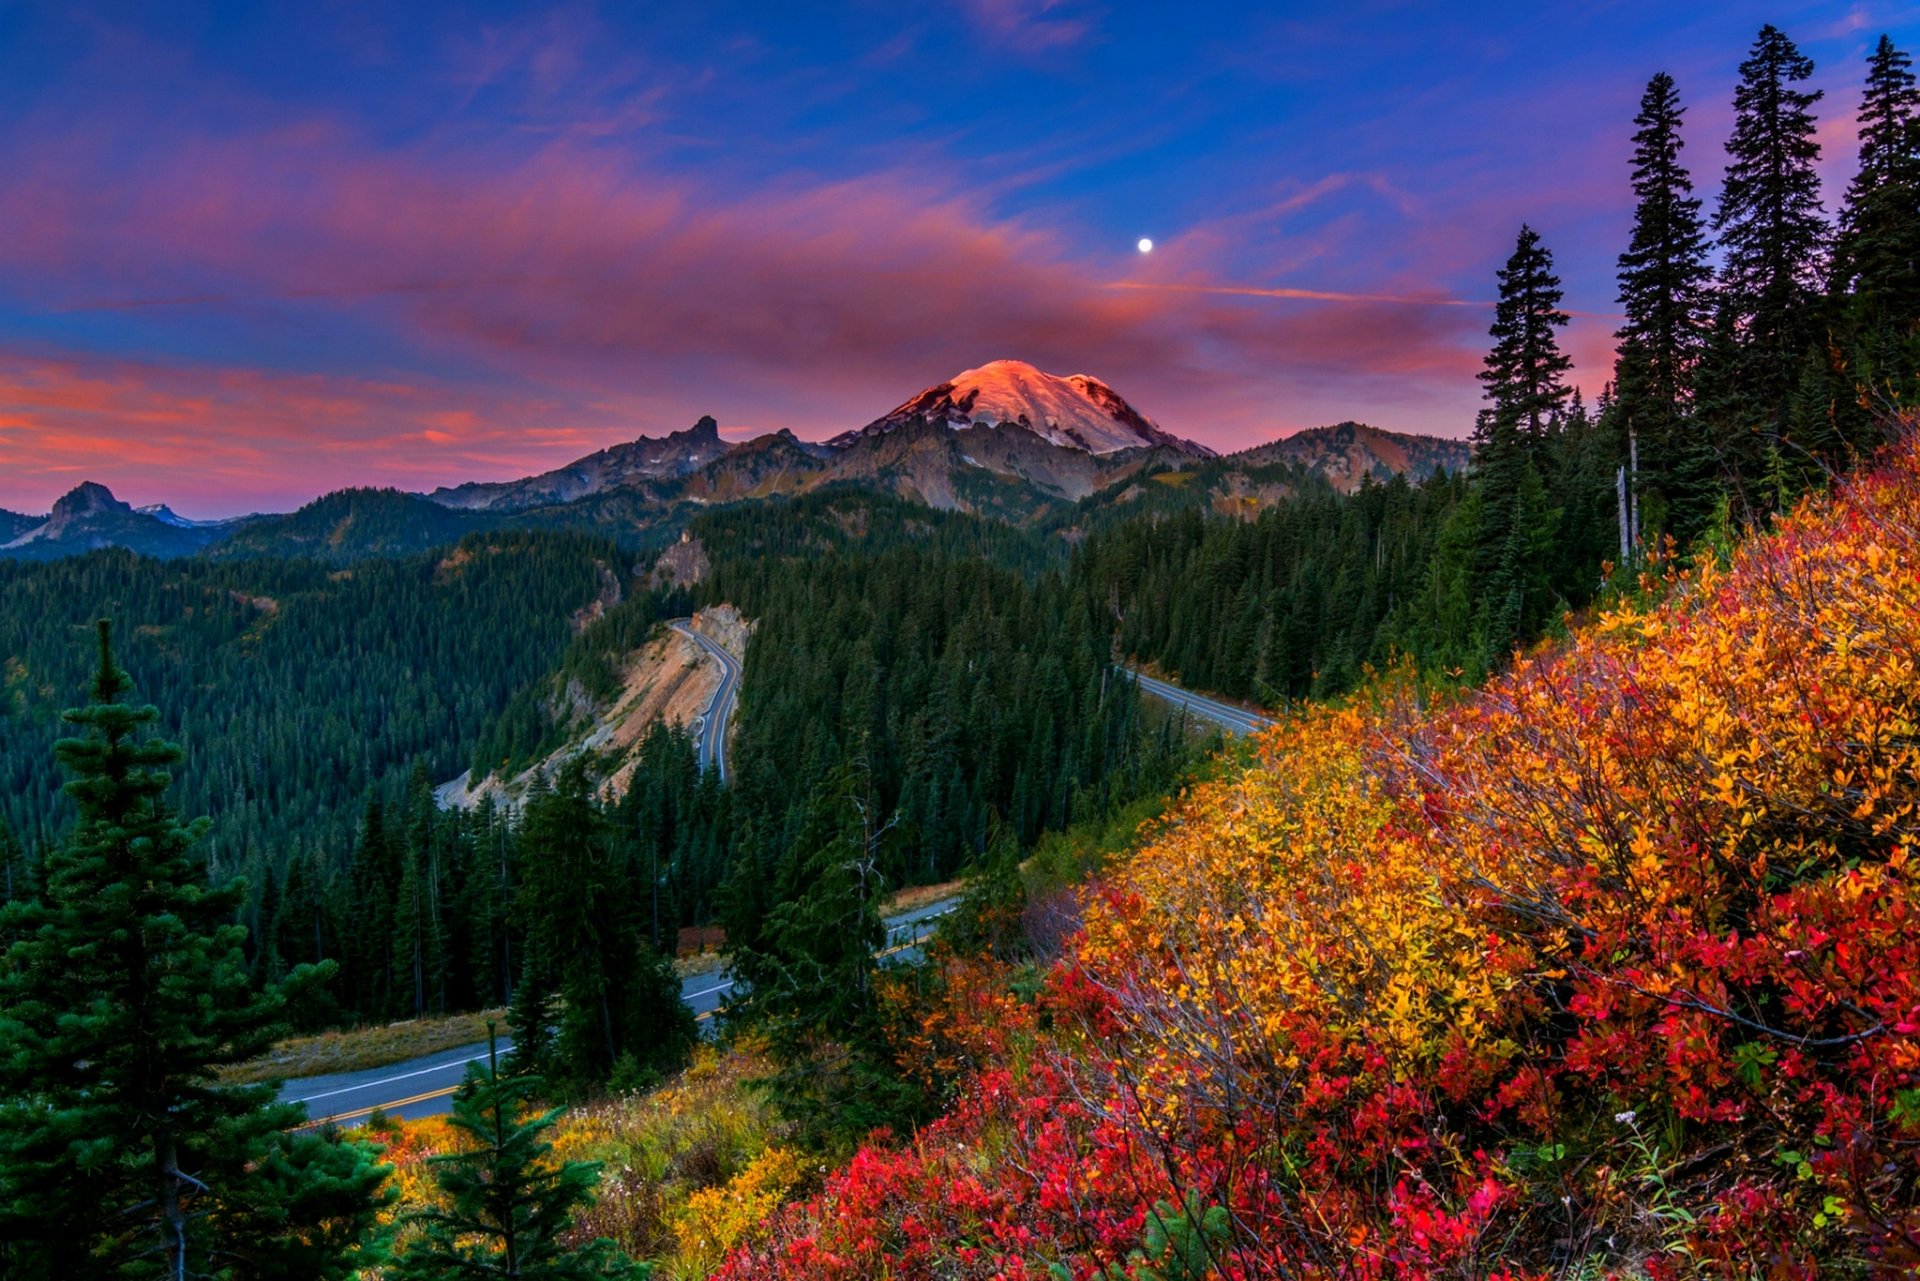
column 353, row 523
column 1348, row 453
column 668, row 680
column 1075, row 412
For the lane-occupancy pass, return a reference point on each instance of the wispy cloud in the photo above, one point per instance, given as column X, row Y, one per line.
column 1030, row 26
column 1303, row 295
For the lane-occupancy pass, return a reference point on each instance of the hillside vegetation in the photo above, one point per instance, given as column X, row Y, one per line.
column 1608, row 968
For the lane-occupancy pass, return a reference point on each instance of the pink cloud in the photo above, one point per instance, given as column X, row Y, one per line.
column 569, row 260
column 614, row 299
column 219, row 441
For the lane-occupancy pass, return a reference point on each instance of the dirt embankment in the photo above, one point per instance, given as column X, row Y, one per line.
column 670, row 679
column 722, row 623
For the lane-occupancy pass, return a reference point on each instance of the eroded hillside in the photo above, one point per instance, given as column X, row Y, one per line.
column 669, row 680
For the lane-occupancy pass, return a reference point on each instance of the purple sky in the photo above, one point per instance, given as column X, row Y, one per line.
column 257, row 252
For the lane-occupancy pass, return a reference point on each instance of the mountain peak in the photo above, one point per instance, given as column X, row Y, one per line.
column 89, row 498
column 1075, row 412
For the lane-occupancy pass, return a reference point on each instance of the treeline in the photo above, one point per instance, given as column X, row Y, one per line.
column 1734, row 391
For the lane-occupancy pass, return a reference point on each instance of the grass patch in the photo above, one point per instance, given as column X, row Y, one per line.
column 915, row 897
column 367, row 1047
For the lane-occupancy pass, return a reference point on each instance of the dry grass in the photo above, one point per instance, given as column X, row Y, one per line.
column 366, row 1047
column 699, row 963
column 918, row 896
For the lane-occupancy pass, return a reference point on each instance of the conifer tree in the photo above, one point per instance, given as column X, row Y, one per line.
column 810, row 982
column 373, row 884
column 1525, row 374
column 125, row 989
column 509, row 1201
column 1718, row 466
column 1877, row 255
column 1771, row 227
column 1664, row 279
column 1506, row 577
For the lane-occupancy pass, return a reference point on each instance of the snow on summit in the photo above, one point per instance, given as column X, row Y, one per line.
column 1075, row 412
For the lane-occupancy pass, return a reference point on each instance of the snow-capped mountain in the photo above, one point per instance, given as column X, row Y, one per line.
column 167, row 516
column 1075, row 412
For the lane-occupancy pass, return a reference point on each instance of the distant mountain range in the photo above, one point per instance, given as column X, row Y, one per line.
column 91, row 517
column 1005, row 440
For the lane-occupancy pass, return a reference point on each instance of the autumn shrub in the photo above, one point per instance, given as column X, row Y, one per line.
column 666, row 1152
column 1609, row 968
column 690, row 1169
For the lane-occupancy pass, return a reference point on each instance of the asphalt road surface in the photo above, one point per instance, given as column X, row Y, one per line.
column 1234, row 720
column 712, row 747
column 421, row 1087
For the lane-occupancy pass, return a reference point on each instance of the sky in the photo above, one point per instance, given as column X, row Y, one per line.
column 254, row 252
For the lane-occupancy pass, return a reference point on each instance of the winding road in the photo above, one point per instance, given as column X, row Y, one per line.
column 711, row 749
column 422, row 1086
column 1234, row 720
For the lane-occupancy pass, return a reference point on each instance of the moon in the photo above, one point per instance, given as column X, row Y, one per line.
column 1146, row 245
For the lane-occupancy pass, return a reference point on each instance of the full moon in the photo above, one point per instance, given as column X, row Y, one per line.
column 1146, row 246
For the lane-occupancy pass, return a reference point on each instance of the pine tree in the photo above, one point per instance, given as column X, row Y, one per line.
column 1507, row 574
column 1771, row 227
column 1877, row 255
column 124, row 990
column 1664, row 278
column 1525, row 374
column 509, row 1202
column 373, row 884
column 810, row 983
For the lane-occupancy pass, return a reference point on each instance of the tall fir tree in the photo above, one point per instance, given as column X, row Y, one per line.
column 372, row 887
column 123, row 993
column 1877, row 252
column 1506, row 579
column 16, row 875
column 809, row 979
column 1664, row 282
column 1772, row 230
column 509, row 1201
column 1525, row 374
